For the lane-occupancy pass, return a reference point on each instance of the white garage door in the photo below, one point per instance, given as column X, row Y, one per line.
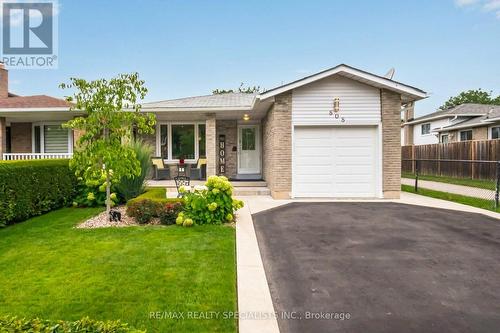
column 335, row 162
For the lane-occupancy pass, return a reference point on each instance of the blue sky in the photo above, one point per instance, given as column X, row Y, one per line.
column 184, row 48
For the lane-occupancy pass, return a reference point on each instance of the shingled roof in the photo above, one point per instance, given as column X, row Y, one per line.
column 36, row 101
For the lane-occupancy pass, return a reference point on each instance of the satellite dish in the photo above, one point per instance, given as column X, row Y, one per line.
column 390, row 74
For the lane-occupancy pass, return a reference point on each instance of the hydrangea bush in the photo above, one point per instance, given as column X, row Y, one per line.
column 209, row 204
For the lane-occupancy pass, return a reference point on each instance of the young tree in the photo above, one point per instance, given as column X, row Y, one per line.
column 111, row 111
column 478, row 96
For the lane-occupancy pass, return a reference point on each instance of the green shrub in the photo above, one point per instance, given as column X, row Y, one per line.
column 85, row 325
column 30, row 188
column 168, row 212
column 210, row 204
column 129, row 188
column 156, row 194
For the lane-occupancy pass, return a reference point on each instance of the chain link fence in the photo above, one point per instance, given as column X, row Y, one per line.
column 470, row 178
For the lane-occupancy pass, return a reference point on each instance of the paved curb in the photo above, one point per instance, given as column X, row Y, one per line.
column 255, row 306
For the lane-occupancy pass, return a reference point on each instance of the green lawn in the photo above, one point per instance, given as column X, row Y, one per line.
column 487, row 184
column 54, row 271
column 476, row 202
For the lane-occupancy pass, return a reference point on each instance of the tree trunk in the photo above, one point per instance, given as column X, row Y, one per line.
column 108, row 193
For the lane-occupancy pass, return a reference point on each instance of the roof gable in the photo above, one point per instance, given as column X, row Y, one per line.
column 407, row 92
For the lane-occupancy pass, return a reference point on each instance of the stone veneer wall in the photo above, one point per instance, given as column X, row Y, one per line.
column 230, row 129
column 391, row 143
column 277, row 147
column 21, row 137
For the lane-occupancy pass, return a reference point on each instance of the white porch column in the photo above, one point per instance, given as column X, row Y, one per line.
column 211, row 144
column 3, row 137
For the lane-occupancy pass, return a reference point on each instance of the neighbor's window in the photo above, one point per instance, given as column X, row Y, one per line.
column 201, row 141
column 183, row 142
column 50, row 139
column 426, row 128
column 164, row 141
column 8, row 141
column 55, row 139
column 444, row 138
column 37, row 140
column 495, row 133
column 466, row 135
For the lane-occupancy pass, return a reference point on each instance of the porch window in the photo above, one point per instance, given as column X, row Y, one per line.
column 495, row 132
column 201, row 141
column 176, row 141
column 164, row 141
column 37, row 140
column 8, row 141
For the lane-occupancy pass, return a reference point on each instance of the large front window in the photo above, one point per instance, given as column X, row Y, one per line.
column 182, row 141
column 51, row 138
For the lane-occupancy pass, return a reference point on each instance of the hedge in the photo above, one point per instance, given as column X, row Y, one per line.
column 30, row 188
column 157, row 194
column 85, row 325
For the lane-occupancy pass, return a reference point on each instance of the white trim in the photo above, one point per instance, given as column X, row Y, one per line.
column 343, row 69
column 458, row 127
column 257, row 146
column 200, row 109
column 169, row 124
column 418, row 121
column 490, row 131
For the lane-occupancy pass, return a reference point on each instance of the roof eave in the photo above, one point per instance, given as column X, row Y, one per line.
column 412, row 93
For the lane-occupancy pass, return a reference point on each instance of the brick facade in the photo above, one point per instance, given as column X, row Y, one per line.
column 230, row 129
column 391, row 143
column 211, row 145
column 21, row 137
column 277, row 147
column 3, row 136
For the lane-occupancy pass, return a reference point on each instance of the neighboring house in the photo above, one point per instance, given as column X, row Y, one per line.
column 461, row 123
column 332, row 134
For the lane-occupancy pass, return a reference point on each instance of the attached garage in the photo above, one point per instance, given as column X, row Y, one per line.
column 335, row 161
column 335, row 134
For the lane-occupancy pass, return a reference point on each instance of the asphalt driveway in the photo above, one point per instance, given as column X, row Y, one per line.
column 388, row 267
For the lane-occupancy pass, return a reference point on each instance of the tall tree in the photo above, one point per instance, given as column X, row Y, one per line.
column 241, row 89
column 478, row 96
column 111, row 111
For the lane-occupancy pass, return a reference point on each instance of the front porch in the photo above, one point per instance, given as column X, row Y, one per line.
column 241, row 188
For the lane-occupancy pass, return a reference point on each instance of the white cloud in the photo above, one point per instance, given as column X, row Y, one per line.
column 463, row 3
column 491, row 6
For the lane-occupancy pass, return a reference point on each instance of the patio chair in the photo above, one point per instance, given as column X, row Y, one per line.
column 181, row 181
column 200, row 171
column 159, row 169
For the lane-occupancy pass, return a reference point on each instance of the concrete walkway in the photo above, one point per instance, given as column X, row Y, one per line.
column 469, row 191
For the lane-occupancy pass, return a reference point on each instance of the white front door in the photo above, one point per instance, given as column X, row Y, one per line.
column 248, row 149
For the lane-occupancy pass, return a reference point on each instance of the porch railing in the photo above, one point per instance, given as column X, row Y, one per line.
column 34, row 156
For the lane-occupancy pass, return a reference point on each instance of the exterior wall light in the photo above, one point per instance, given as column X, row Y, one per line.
column 336, row 104
column 246, row 117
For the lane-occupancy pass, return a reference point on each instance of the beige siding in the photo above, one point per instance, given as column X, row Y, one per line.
column 359, row 103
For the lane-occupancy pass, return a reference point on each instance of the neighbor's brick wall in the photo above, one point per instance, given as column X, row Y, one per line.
column 480, row 133
column 3, row 136
column 230, row 129
column 21, row 137
column 211, row 145
column 391, row 143
column 277, row 146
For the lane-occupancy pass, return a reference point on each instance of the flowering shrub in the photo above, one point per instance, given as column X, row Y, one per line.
column 209, row 204
column 143, row 211
column 168, row 212
column 92, row 193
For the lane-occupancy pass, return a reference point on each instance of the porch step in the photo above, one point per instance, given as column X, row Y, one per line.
column 244, row 191
column 170, row 184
